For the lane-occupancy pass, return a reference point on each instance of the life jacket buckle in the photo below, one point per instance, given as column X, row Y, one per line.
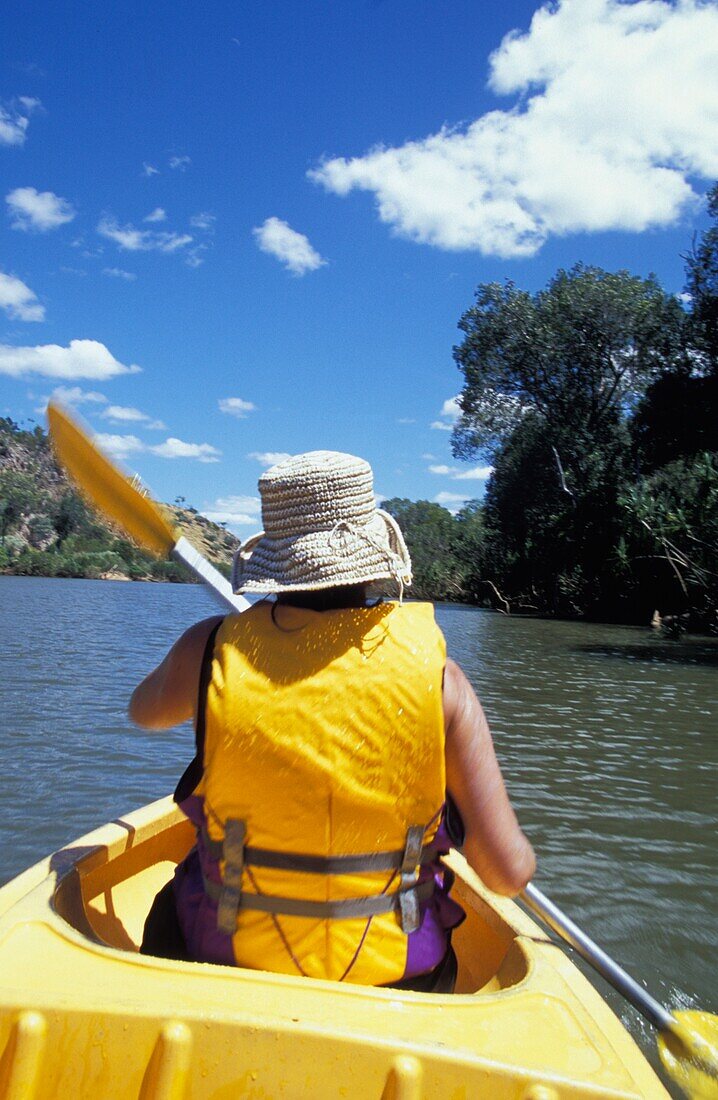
column 230, row 898
column 409, row 915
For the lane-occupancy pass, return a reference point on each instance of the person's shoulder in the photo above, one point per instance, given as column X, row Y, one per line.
column 422, row 611
column 458, row 692
column 415, row 607
column 195, row 636
column 454, row 676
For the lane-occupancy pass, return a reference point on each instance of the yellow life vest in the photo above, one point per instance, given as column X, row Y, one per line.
column 323, row 778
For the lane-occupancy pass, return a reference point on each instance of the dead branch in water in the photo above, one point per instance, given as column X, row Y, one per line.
column 503, row 599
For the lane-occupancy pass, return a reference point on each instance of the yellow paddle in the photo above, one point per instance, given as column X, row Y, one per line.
column 687, row 1041
column 120, row 498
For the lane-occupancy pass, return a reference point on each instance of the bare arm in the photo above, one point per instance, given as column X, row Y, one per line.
column 495, row 846
column 168, row 696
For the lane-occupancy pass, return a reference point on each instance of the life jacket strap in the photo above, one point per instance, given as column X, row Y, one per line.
column 371, row 906
column 406, row 900
column 319, row 865
column 409, row 915
column 230, row 895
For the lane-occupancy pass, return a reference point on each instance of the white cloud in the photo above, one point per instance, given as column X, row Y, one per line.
column 617, row 110
column 249, row 504
column 232, row 519
column 454, row 502
column 180, row 162
column 40, row 210
column 19, row 302
column 268, row 458
column 74, row 395
column 119, row 446
column 15, row 119
column 69, row 395
column 119, row 273
column 157, row 215
column 81, row 359
column 450, row 412
column 149, row 169
column 291, row 248
column 203, row 220
column 177, row 448
column 195, row 256
column 122, row 414
column 141, row 240
column 477, row 473
column 451, row 409
column 235, row 406
column 406, row 420
column 235, row 511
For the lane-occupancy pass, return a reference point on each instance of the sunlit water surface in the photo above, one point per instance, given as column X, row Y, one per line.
column 607, row 737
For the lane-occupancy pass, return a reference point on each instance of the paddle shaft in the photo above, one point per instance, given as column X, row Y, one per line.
column 614, row 974
column 185, row 552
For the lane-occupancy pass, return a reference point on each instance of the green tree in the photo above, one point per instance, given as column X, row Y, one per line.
column 430, row 533
column 19, row 499
column 668, row 555
column 40, row 531
column 677, row 418
column 702, row 285
column 8, row 515
column 579, row 353
column 71, row 514
column 550, row 381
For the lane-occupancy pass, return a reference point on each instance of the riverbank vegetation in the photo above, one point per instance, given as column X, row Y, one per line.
column 47, row 530
column 596, row 400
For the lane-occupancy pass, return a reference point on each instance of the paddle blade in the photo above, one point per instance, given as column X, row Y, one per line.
column 690, row 1054
column 110, row 490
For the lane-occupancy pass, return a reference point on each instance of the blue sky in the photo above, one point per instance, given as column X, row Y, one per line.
column 249, row 230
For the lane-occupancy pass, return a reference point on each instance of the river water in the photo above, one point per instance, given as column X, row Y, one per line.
column 607, row 737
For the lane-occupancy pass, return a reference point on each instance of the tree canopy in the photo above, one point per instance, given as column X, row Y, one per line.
column 702, row 286
column 578, row 353
column 597, row 400
column 443, row 547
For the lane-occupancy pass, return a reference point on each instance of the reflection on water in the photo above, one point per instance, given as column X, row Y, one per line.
column 689, row 652
column 606, row 735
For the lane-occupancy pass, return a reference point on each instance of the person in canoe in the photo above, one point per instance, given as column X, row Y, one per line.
column 339, row 753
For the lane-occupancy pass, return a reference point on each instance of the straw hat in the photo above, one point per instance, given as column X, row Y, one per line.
column 321, row 529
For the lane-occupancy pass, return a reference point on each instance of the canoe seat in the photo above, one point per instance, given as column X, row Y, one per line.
column 105, row 893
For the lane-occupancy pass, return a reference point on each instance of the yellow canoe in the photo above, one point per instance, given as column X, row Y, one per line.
column 83, row 1015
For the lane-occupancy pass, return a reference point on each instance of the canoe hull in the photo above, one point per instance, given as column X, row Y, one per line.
column 80, row 1018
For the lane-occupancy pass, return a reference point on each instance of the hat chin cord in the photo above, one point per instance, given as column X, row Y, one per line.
column 344, row 527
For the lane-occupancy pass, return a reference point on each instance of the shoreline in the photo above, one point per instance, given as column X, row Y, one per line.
column 691, row 637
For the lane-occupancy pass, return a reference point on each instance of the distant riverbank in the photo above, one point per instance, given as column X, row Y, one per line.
column 47, row 530
column 661, row 643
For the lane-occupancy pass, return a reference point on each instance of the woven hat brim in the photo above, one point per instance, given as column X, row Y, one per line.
column 323, row 559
